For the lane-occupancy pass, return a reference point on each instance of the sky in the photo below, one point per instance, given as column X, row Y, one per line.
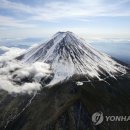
column 94, row 19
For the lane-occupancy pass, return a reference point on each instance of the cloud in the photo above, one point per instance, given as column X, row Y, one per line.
column 15, row 6
column 13, row 88
column 10, row 53
column 18, row 77
column 47, row 17
column 13, row 22
column 35, row 71
column 56, row 10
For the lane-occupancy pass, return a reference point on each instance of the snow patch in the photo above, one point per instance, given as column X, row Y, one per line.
column 79, row 83
column 70, row 55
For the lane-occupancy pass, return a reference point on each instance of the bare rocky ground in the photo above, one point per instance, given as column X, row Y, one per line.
column 67, row 106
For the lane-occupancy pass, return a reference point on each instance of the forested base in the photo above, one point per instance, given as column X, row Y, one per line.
column 68, row 107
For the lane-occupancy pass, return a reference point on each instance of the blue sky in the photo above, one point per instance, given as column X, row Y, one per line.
column 92, row 19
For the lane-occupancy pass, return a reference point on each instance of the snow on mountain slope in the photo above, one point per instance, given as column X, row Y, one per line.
column 70, row 55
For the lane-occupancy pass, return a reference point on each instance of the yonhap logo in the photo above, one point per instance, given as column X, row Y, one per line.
column 97, row 118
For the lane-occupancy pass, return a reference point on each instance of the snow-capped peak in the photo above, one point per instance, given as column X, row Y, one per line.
column 70, row 55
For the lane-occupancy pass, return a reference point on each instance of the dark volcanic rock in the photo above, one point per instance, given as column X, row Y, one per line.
column 68, row 107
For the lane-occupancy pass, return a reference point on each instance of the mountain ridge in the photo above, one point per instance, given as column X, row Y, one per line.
column 70, row 104
column 70, row 55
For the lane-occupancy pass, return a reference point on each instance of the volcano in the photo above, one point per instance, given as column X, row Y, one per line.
column 84, row 81
column 70, row 55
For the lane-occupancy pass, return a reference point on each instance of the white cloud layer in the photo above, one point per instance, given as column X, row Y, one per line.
column 55, row 10
column 12, row 22
column 16, row 77
column 49, row 16
column 10, row 53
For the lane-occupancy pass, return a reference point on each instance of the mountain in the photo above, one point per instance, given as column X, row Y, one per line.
column 70, row 55
column 90, row 81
